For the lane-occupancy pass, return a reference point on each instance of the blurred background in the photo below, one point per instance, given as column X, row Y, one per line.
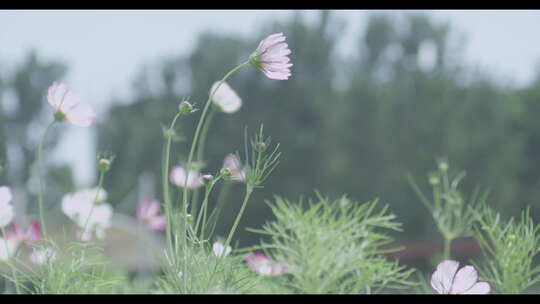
column 374, row 96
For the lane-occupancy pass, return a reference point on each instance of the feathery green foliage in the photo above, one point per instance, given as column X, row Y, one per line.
column 510, row 249
column 333, row 246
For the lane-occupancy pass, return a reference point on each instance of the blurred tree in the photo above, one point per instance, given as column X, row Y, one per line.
column 346, row 125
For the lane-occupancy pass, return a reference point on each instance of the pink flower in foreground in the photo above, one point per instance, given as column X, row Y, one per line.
column 260, row 263
column 68, row 107
column 225, row 98
column 232, row 163
column 30, row 236
column 148, row 212
column 448, row 280
column 271, row 57
column 178, row 178
column 6, row 209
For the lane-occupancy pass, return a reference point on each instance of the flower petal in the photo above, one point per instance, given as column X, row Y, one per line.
column 479, row 288
column 5, row 195
column 82, row 115
column 465, row 278
column 442, row 278
column 225, row 97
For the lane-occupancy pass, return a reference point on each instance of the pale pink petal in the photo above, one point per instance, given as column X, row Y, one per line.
column 225, row 97
column 269, row 41
column 479, row 288
column 5, row 195
column 178, row 178
column 220, row 250
column 442, row 278
column 148, row 209
column 234, row 165
column 33, row 234
column 157, row 222
column 277, row 75
column 277, row 269
column 465, row 278
column 61, row 98
column 14, row 233
column 82, row 115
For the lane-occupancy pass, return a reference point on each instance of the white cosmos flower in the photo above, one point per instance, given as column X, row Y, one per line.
column 220, row 250
column 6, row 209
column 68, row 107
column 89, row 211
column 178, row 178
column 226, row 98
column 447, row 279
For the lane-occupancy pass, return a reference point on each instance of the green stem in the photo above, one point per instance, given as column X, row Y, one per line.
column 249, row 190
column 16, row 283
column 100, row 184
column 200, row 155
column 165, row 182
column 192, row 151
column 40, row 166
column 447, row 248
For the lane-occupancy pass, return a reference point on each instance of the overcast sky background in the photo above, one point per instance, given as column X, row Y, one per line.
column 105, row 49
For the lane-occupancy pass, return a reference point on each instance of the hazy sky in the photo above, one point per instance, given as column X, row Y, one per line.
column 104, row 49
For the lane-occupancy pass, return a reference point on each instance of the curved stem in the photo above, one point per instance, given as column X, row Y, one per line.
column 192, row 151
column 249, row 190
column 40, row 166
column 100, row 184
column 200, row 156
column 165, row 182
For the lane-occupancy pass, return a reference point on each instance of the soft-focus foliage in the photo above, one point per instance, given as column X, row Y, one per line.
column 333, row 246
column 511, row 250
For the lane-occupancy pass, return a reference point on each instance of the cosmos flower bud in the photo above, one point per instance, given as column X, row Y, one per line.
column 225, row 173
column 105, row 161
column 104, row 165
column 260, row 147
column 189, row 218
column 207, row 179
column 433, row 180
column 186, row 108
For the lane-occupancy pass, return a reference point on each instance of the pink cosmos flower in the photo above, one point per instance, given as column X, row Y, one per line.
column 260, row 263
column 178, row 178
column 148, row 212
column 67, row 105
column 6, row 209
column 232, row 163
column 225, row 98
column 448, row 280
column 30, row 236
column 220, row 250
column 271, row 57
